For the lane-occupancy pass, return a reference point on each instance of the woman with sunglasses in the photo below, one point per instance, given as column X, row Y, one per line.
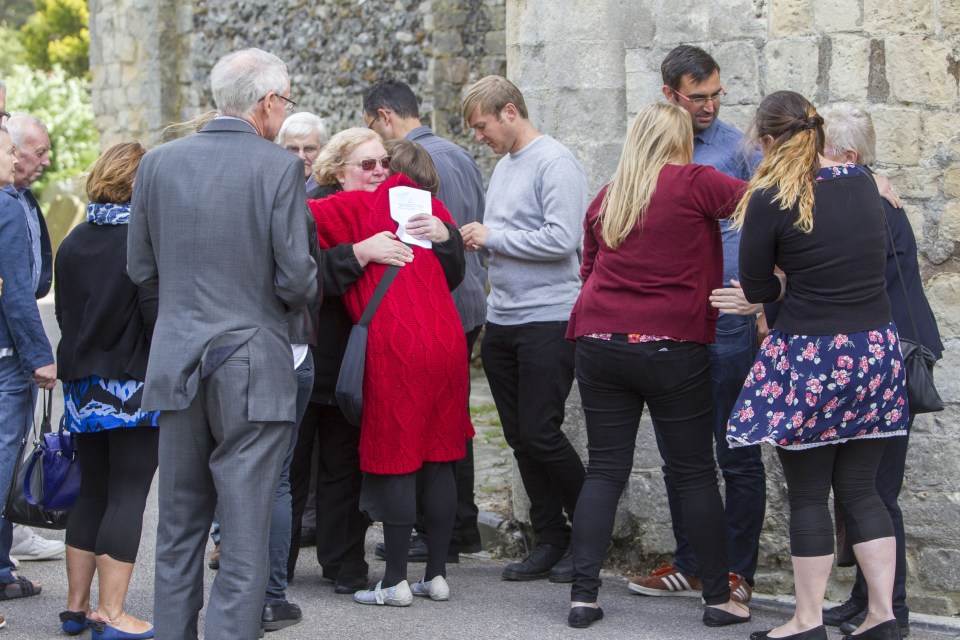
column 415, row 422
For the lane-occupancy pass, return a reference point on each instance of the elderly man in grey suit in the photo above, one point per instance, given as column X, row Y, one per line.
column 218, row 225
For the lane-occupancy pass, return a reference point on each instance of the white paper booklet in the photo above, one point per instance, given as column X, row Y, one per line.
column 406, row 202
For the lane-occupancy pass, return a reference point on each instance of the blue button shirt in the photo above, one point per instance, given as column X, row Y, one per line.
column 725, row 148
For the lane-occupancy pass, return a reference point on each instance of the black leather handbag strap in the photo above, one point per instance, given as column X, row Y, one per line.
column 903, row 285
column 378, row 294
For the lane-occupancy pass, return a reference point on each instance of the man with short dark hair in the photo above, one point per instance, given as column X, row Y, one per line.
column 691, row 79
column 532, row 229
column 226, row 244
column 390, row 108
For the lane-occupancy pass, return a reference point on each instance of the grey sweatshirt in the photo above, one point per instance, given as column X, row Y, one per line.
column 536, row 202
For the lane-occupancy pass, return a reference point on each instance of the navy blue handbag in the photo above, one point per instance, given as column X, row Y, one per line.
column 52, row 480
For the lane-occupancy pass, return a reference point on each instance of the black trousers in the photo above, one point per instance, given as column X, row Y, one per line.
column 616, row 380
column 116, row 471
column 530, row 371
column 851, row 469
column 341, row 528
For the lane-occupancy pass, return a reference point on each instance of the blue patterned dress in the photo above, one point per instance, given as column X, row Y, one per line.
column 93, row 404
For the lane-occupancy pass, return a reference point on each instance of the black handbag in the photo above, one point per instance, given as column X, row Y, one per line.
column 16, row 508
column 918, row 361
column 349, row 389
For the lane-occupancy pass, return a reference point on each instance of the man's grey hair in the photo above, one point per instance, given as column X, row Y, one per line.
column 850, row 128
column 19, row 124
column 303, row 124
column 242, row 79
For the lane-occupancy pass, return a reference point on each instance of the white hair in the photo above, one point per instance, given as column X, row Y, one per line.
column 241, row 79
column 850, row 128
column 19, row 124
column 303, row 124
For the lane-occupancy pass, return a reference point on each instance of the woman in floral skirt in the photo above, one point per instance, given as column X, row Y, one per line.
column 828, row 385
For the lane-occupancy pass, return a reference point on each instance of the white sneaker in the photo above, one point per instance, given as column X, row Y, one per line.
column 437, row 589
column 396, row 596
column 28, row 545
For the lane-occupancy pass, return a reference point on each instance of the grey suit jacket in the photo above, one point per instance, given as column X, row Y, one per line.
column 217, row 224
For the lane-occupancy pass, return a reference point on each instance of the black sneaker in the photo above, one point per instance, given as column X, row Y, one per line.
column 280, row 616
column 836, row 616
column 850, row 626
column 535, row 566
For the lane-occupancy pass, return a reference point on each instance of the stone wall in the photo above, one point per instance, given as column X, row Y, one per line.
column 151, row 61
column 587, row 67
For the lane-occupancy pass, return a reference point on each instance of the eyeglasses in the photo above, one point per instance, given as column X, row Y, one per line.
column 700, row 101
column 289, row 104
column 373, row 122
column 370, row 164
column 308, row 150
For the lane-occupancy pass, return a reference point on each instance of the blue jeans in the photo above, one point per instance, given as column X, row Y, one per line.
column 731, row 357
column 280, row 519
column 17, row 400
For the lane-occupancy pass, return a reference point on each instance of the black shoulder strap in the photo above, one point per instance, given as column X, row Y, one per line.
column 377, row 297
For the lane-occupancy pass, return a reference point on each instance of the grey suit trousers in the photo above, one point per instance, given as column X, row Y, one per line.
column 209, row 452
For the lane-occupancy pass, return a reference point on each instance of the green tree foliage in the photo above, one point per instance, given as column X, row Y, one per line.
column 11, row 50
column 63, row 104
column 58, row 34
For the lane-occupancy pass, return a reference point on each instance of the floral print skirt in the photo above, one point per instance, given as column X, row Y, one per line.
column 809, row 391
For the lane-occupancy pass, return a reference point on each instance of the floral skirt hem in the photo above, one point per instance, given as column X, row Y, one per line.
column 806, row 391
column 734, row 443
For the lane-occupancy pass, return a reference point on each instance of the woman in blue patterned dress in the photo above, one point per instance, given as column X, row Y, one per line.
column 827, row 388
column 106, row 322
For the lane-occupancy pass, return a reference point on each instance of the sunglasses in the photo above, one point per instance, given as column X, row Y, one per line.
column 370, row 164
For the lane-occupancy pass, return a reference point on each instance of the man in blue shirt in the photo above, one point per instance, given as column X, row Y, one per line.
column 26, row 358
column 390, row 108
column 691, row 79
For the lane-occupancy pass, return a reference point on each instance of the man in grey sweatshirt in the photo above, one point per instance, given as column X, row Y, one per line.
column 531, row 233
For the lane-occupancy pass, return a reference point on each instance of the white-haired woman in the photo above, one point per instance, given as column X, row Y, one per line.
column 642, row 322
column 850, row 138
column 304, row 134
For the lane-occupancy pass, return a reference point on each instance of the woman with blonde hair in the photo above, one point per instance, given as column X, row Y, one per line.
column 652, row 254
column 106, row 322
column 827, row 388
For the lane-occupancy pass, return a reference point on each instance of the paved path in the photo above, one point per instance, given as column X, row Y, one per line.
column 482, row 606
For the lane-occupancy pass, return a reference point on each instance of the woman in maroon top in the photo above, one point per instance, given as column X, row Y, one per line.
column 652, row 254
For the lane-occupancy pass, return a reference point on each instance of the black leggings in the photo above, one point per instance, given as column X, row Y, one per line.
column 851, row 468
column 437, row 492
column 116, row 471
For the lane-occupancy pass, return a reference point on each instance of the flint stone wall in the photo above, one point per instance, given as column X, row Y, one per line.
column 585, row 68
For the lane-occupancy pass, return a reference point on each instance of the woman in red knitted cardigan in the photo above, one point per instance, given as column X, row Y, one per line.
column 415, row 420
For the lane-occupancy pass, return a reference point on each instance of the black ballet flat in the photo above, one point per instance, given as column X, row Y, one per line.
column 817, row 633
column 888, row 630
column 714, row 617
column 583, row 617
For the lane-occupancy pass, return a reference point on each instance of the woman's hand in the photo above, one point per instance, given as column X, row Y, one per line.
column 382, row 248
column 888, row 192
column 731, row 300
column 425, row 226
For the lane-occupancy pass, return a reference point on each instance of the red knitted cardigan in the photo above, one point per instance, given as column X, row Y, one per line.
column 415, row 379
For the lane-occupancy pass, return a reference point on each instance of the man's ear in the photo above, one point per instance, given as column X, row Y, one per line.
column 668, row 94
column 509, row 112
column 386, row 116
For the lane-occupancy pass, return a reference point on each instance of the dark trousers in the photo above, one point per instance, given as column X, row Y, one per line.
column 889, row 482
column 530, row 371
column 341, row 528
column 116, row 470
column 616, row 380
column 731, row 357
column 465, row 529
column 850, row 468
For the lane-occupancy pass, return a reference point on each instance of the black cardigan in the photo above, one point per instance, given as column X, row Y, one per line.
column 105, row 320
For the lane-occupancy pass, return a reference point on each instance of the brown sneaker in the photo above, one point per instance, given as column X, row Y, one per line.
column 667, row 581
column 214, row 561
column 740, row 590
